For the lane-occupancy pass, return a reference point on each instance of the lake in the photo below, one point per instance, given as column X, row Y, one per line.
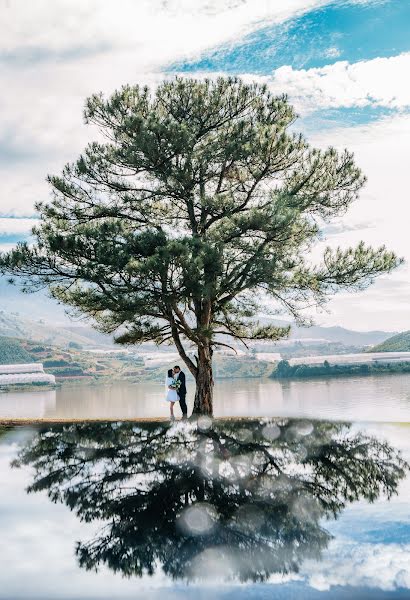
column 381, row 398
column 257, row 508
column 306, row 496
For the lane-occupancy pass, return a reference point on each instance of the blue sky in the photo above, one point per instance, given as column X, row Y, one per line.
column 344, row 65
column 337, row 31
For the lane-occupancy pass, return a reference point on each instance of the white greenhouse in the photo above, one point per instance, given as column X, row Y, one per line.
column 24, row 375
column 364, row 358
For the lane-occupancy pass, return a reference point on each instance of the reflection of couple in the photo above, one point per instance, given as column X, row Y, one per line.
column 176, row 391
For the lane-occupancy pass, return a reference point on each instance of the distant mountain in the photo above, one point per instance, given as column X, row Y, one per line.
column 342, row 335
column 37, row 317
column 396, row 343
column 13, row 325
column 30, row 306
column 336, row 334
column 89, row 333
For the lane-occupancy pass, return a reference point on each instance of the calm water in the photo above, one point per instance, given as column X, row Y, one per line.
column 262, row 508
column 383, row 398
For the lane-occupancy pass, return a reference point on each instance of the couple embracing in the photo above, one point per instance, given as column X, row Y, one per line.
column 176, row 391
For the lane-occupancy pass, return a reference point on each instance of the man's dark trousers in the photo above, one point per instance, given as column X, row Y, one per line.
column 182, row 404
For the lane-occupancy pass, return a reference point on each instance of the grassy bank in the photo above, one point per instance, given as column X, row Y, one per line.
column 75, row 365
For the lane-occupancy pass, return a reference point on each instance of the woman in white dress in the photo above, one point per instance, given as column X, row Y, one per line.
column 172, row 394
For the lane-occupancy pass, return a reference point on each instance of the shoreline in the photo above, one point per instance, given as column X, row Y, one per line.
column 24, row 421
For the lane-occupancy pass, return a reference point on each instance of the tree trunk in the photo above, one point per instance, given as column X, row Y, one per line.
column 203, row 403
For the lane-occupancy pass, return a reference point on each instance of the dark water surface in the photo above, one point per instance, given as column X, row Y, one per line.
column 256, row 508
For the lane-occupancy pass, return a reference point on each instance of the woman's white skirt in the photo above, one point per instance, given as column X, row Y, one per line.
column 172, row 396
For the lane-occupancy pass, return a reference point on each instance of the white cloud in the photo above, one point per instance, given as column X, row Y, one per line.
column 7, row 247
column 157, row 30
column 381, row 150
column 377, row 82
column 383, row 566
column 56, row 54
column 23, row 183
column 332, row 52
column 16, row 226
column 349, row 564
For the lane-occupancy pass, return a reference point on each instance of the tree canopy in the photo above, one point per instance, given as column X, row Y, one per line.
column 197, row 206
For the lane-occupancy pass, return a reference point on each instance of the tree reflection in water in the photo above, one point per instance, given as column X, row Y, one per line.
column 237, row 499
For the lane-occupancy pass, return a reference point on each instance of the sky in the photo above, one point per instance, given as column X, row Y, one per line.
column 344, row 65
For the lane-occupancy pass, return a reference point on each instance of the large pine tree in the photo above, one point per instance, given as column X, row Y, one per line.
column 198, row 205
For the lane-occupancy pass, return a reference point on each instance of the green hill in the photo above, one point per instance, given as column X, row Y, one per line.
column 11, row 351
column 396, row 343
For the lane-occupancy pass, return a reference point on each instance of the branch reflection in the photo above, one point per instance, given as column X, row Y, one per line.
column 236, row 499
